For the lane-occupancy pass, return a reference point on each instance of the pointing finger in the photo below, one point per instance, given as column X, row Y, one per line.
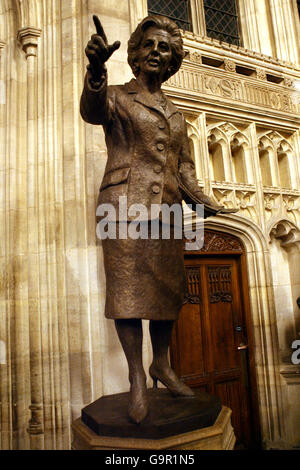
column 99, row 28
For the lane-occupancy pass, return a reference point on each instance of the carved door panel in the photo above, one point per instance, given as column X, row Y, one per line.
column 209, row 345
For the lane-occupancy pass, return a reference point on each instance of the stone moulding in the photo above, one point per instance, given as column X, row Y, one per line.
column 291, row 374
column 28, row 37
column 201, row 41
column 249, row 91
column 286, row 232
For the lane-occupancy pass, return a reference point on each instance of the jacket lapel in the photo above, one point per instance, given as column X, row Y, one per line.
column 141, row 96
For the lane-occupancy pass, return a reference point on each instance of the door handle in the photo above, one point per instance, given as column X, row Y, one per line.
column 242, row 347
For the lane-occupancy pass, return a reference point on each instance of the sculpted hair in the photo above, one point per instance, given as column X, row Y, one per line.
column 176, row 43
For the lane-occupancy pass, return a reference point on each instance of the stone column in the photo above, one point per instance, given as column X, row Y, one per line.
column 284, row 30
column 28, row 37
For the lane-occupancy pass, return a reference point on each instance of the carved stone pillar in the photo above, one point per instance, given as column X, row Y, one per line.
column 28, row 37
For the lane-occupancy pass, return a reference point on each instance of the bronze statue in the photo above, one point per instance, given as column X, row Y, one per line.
column 148, row 162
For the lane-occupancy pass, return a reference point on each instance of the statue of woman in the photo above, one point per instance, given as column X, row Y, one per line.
column 148, row 153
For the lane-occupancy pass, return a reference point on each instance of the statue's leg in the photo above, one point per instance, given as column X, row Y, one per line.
column 160, row 332
column 131, row 336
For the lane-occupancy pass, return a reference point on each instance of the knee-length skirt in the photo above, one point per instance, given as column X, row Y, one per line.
column 145, row 278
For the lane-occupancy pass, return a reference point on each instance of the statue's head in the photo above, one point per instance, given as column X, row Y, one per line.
column 176, row 43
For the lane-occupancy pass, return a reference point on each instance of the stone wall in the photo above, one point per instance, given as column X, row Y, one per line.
column 57, row 351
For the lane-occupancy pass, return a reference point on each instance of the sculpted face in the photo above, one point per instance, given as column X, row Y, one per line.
column 155, row 54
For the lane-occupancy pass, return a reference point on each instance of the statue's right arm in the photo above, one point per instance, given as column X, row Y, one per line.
column 94, row 103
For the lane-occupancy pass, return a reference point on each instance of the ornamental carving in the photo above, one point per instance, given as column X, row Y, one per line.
column 195, row 57
column 291, row 203
column 192, row 287
column 225, row 197
column 288, row 82
column 220, row 297
column 262, row 94
column 261, row 74
column 272, row 204
column 229, row 65
column 287, row 233
column 219, row 280
column 246, row 202
column 220, row 242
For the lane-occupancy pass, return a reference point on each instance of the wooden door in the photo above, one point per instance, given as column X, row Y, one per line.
column 210, row 345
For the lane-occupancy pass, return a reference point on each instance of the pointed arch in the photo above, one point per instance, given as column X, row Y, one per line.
column 218, row 153
column 239, row 146
column 263, row 318
column 27, row 13
column 276, row 160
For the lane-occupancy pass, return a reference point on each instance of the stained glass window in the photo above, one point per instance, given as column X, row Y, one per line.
column 221, row 19
column 176, row 10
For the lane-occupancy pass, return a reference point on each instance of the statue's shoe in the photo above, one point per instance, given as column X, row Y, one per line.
column 138, row 403
column 170, row 380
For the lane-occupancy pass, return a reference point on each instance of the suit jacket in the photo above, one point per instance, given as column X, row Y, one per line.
column 147, row 145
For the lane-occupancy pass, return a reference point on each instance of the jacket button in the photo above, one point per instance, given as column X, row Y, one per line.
column 155, row 189
column 160, row 146
column 161, row 125
column 157, row 168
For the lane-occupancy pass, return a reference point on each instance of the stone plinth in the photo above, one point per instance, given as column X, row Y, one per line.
column 184, row 423
column 220, row 436
column 167, row 416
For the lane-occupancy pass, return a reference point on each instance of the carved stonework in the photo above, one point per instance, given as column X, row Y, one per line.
column 272, row 204
column 28, row 37
column 219, row 279
column 223, row 46
column 288, row 82
column 225, row 197
column 291, row 204
column 260, row 93
column 287, row 233
column 192, row 293
column 229, row 65
column 228, row 128
column 246, row 202
column 195, row 57
column 261, row 74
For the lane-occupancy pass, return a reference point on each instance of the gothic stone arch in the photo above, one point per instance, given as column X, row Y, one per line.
column 241, row 232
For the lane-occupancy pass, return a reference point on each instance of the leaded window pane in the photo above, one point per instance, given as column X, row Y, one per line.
column 176, row 10
column 221, row 19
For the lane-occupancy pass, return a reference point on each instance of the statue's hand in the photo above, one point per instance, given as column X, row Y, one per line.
column 98, row 51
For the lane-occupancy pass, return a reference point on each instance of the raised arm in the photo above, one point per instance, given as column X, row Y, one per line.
column 94, row 104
